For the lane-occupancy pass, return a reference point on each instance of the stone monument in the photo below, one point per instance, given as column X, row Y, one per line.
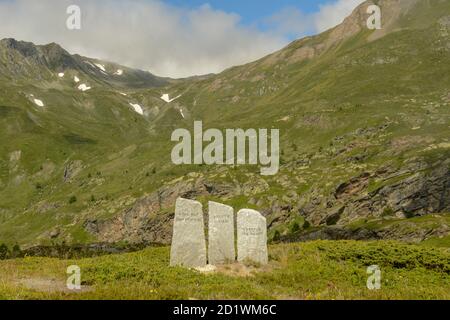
column 188, row 240
column 252, row 237
column 221, row 234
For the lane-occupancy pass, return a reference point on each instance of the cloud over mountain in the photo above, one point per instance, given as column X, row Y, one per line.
column 159, row 37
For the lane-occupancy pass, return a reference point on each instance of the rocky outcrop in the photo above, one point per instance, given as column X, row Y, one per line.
column 150, row 219
column 413, row 191
column 72, row 169
column 384, row 194
column 408, row 231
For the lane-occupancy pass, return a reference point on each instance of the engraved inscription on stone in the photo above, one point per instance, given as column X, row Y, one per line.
column 188, row 242
column 220, row 234
column 252, row 237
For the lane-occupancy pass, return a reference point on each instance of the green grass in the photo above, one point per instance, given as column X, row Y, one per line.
column 315, row 270
column 438, row 242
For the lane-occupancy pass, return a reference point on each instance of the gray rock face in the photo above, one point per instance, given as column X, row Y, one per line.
column 188, row 241
column 143, row 223
column 417, row 189
column 422, row 190
column 221, row 234
column 252, row 236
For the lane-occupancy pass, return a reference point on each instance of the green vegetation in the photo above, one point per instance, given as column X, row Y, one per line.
column 72, row 199
column 9, row 253
column 357, row 105
column 315, row 270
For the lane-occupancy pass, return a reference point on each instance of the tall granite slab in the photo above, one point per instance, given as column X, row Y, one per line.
column 252, row 237
column 221, row 234
column 188, row 242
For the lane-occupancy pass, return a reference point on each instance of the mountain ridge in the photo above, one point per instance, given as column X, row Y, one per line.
column 25, row 60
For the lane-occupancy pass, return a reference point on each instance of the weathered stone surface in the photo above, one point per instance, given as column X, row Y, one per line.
column 421, row 190
column 188, row 241
column 252, row 236
column 143, row 222
column 410, row 231
column 221, row 234
column 415, row 189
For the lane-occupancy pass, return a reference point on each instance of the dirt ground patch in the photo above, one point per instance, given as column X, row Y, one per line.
column 235, row 270
column 47, row 285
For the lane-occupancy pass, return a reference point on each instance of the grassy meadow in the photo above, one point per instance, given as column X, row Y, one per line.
column 300, row 271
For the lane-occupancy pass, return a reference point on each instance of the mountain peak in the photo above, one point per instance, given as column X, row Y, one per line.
column 53, row 46
column 25, row 48
column 51, row 56
column 57, row 57
column 20, row 59
column 313, row 46
column 391, row 12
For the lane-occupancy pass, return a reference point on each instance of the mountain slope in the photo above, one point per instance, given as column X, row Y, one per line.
column 364, row 119
column 24, row 60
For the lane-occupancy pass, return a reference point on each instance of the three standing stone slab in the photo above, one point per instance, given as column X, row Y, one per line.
column 189, row 245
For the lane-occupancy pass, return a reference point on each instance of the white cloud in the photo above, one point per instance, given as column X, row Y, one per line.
column 150, row 35
column 291, row 22
column 334, row 13
column 155, row 36
column 294, row 23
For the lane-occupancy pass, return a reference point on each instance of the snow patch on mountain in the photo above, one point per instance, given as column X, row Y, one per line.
column 137, row 108
column 84, row 87
column 61, row 75
column 101, row 67
column 167, row 99
column 39, row 102
column 89, row 63
column 119, row 72
column 76, row 79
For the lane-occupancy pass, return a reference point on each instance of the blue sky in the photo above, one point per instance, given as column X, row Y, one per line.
column 291, row 19
column 256, row 12
column 175, row 38
column 253, row 11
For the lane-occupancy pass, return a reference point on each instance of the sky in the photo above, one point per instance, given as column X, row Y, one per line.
column 174, row 38
column 246, row 8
